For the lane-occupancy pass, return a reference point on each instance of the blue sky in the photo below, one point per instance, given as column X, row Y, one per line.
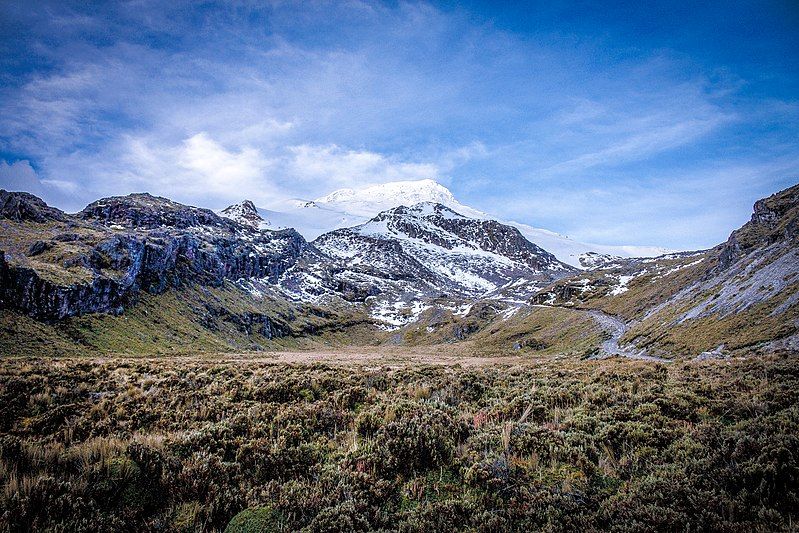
column 656, row 124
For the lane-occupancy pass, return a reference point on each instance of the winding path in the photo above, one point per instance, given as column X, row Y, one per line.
column 616, row 328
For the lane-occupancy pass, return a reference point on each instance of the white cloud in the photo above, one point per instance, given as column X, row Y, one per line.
column 19, row 176
column 220, row 170
column 196, row 169
column 336, row 167
column 62, row 185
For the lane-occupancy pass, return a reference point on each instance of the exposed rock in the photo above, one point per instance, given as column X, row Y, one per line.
column 530, row 343
column 247, row 322
column 23, row 206
column 163, row 245
column 717, row 353
column 144, row 210
column 39, row 247
column 774, row 219
column 23, row 289
column 591, row 260
column 245, row 213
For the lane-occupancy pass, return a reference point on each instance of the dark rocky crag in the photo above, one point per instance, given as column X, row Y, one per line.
column 775, row 220
column 23, row 206
column 55, row 265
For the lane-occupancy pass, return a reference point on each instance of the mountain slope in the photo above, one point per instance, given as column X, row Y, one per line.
column 741, row 295
column 407, row 256
column 350, row 207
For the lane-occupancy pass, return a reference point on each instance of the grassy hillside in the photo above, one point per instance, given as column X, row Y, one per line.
column 495, row 328
column 191, row 320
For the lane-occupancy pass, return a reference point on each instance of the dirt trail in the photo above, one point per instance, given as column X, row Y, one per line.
column 616, row 328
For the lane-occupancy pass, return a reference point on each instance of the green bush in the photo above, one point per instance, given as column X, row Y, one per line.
column 256, row 520
column 417, row 436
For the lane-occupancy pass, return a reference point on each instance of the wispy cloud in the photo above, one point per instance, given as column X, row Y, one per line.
column 214, row 103
column 351, row 168
column 640, row 145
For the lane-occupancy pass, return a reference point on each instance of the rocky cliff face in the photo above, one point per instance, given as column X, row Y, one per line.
column 774, row 219
column 22, row 206
column 55, row 265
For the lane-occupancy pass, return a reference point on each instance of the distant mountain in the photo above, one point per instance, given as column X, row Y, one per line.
column 413, row 255
column 350, row 207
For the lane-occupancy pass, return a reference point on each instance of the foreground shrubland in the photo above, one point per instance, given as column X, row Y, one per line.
column 182, row 445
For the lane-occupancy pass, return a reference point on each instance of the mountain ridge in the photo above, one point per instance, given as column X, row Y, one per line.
column 350, row 207
column 418, row 274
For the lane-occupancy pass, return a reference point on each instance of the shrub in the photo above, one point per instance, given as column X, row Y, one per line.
column 256, row 520
column 419, row 435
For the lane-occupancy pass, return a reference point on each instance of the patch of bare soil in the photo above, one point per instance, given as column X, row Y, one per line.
column 368, row 356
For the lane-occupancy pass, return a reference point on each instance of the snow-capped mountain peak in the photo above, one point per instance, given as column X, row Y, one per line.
column 421, row 252
column 245, row 213
column 350, row 207
column 376, row 198
column 469, row 253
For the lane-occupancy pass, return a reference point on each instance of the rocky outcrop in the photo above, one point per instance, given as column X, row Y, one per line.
column 144, row 210
column 775, row 219
column 245, row 213
column 147, row 244
column 23, row 289
column 22, row 206
column 248, row 323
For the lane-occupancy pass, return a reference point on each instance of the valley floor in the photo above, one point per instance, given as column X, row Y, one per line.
column 366, row 357
column 398, row 440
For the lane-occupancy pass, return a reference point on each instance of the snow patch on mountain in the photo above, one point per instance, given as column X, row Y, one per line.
column 346, row 208
column 621, row 287
column 245, row 213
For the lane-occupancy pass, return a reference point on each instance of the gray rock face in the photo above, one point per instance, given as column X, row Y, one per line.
column 22, row 206
column 247, row 322
column 147, row 243
column 775, row 219
column 23, row 289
